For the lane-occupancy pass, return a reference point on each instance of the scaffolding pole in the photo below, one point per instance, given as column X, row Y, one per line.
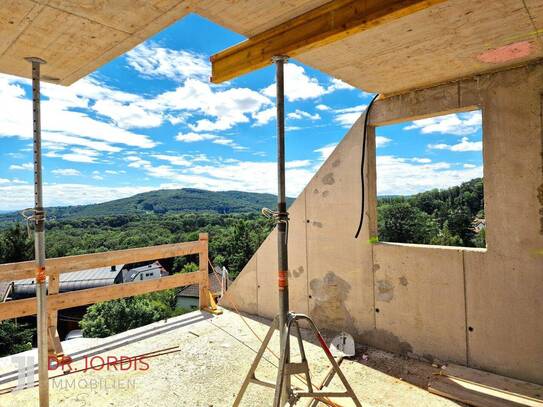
column 38, row 218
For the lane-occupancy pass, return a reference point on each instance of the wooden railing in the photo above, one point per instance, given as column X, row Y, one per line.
column 54, row 267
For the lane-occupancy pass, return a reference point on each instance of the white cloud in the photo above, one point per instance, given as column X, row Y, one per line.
column 194, row 137
column 347, row 116
column 154, row 61
column 402, row 176
column 381, row 141
column 174, row 160
column 338, row 84
column 58, row 141
column 298, row 163
column 470, row 166
column 300, row 114
column 298, row 85
column 326, row 150
column 22, row 167
column 16, row 197
column 457, row 123
column 60, row 123
column 464, row 145
column 66, row 172
column 322, row 107
column 225, row 107
column 128, row 115
column 421, row 160
column 264, row 116
column 78, row 155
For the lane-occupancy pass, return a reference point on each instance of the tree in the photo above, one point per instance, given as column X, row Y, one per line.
column 190, row 268
column 446, row 238
column 15, row 338
column 111, row 317
column 15, row 244
column 401, row 222
column 460, row 224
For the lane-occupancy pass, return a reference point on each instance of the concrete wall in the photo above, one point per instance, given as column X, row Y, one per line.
column 478, row 307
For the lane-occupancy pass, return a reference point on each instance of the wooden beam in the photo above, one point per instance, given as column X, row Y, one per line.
column 27, row 269
column 26, row 307
column 330, row 22
column 203, row 288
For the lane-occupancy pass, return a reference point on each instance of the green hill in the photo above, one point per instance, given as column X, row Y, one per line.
column 164, row 202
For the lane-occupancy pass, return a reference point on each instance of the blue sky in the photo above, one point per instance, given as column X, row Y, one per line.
column 150, row 119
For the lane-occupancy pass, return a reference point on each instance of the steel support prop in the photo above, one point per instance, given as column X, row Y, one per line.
column 282, row 220
column 284, row 321
column 39, row 238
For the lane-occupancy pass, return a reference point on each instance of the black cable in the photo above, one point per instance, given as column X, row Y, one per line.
column 364, row 136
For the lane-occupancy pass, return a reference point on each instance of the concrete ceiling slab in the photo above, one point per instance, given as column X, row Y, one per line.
column 458, row 38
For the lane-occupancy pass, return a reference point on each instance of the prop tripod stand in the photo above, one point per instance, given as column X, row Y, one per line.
column 287, row 368
column 285, row 321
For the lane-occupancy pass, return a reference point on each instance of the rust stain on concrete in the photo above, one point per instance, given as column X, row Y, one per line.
column 325, row 194
column 336, row 163
column 403, row 281
column 315, row 191
column 317, row 224
column 385, row 290
column 328, row 179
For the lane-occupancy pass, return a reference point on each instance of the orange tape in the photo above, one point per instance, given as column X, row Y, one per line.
column 40, row 275
column 283, row 280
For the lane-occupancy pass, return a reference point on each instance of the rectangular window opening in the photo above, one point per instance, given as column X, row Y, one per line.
column 430, row 181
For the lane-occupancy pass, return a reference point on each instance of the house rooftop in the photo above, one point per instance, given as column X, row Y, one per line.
column 78, row 280
column 210, row 359
column 215, row 282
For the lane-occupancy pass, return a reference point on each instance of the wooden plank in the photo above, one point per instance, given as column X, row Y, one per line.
column 20, row 308
column 204, row 273
column 328, row 23
column 483, row 389
column 502, row 383
column 22, row 270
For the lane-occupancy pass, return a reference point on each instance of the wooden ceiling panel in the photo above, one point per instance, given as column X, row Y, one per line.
column 458, row 38
column 446, row 42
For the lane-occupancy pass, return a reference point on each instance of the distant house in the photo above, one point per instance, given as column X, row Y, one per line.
column 77, row 280
column 142, row 273
column 189, row 297
column 478, row 225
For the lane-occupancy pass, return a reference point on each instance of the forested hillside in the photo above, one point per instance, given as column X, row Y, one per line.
column 442, row 217
column 166, row 201
column 232, row 238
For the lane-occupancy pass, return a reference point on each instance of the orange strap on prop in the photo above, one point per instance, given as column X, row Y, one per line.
column 283, row 280
column 40, row 275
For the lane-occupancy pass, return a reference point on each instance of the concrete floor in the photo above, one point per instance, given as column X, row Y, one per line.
column 208, row 369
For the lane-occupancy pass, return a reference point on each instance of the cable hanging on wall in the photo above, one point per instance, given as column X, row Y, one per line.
column 364, row 137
